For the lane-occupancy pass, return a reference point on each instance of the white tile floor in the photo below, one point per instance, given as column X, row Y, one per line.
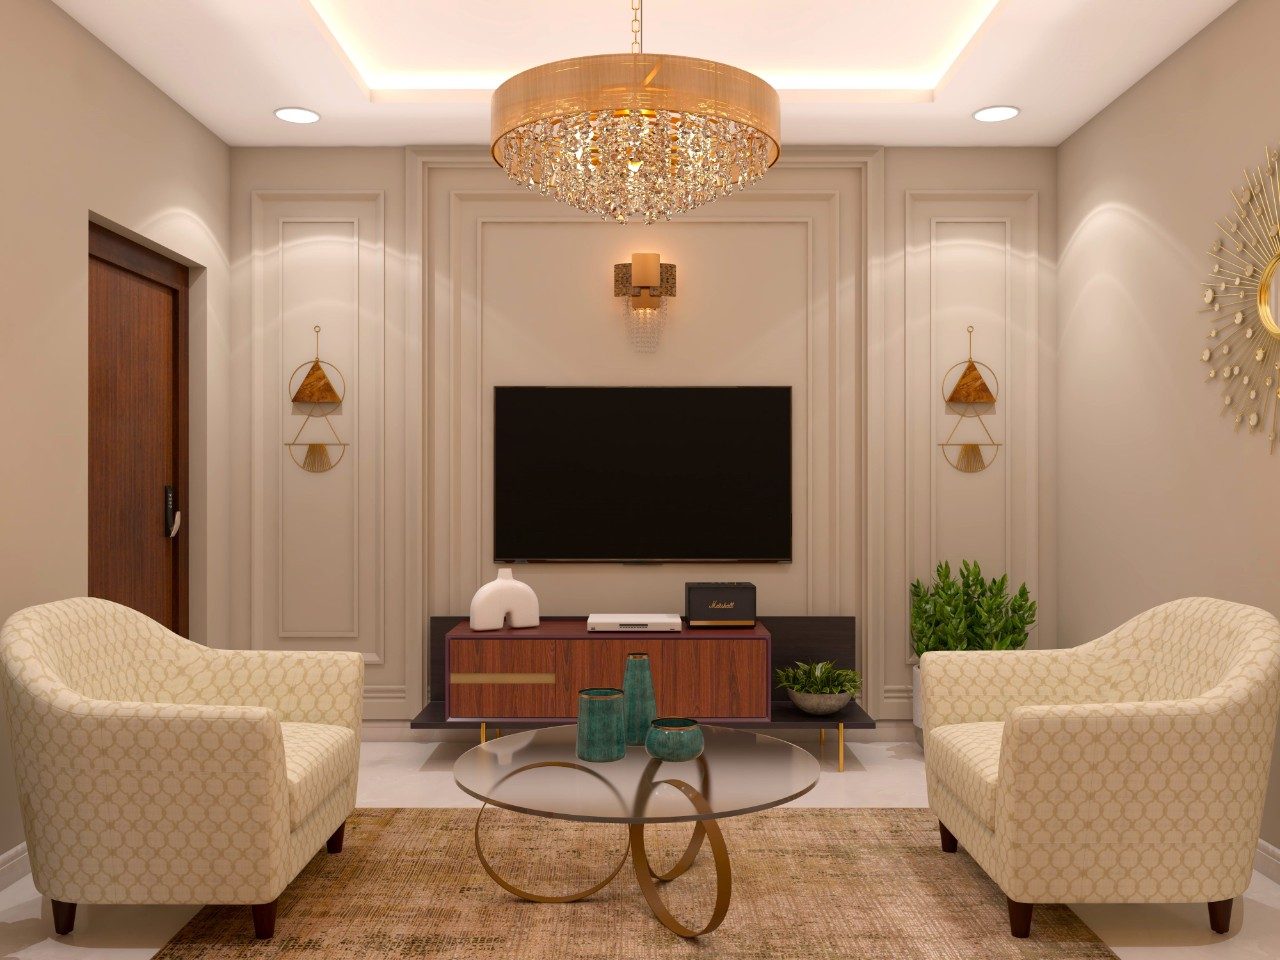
column 886, row 774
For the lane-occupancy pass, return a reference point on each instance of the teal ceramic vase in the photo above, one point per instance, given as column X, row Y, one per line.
column 674, row 739
column 637, row 686
column 600, row 725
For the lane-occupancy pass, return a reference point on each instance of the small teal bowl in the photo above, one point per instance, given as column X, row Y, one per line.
column 675, row 739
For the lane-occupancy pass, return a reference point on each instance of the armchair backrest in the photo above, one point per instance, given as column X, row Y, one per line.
column 91, row 647
column 1189, row 647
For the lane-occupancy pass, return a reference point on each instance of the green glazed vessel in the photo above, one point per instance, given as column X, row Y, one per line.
column 600, row 725
column 674, row 739
column 641, row 709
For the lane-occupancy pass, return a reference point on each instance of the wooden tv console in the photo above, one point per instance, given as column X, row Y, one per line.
column 707, row 673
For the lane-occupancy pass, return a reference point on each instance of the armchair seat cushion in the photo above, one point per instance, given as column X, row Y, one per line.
column 318, row 759
column 965, row 758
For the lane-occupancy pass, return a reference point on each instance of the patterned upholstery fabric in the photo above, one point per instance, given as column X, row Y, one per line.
column 318, row 758
column 966, row 757
column 1130, row 769
column 154, row 770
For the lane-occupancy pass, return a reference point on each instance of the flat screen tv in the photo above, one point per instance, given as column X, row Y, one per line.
column 642, row 474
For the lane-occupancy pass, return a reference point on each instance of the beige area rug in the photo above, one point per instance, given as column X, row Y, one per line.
column 811, row 884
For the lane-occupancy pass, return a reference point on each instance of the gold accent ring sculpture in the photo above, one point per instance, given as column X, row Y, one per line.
column 704, row 829
column 525, row 894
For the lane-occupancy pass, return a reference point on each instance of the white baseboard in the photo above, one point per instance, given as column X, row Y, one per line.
column 1267, row 860
column 14, row 865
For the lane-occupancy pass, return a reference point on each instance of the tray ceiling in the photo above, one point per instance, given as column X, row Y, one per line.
column 897, row 72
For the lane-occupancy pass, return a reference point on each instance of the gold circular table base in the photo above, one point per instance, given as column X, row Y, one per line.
column 724, row 873
column 646, row 876
column 686, row 860
column 539, row 897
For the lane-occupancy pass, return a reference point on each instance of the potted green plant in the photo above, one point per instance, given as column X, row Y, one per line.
column 966, row 613
column 819, row 688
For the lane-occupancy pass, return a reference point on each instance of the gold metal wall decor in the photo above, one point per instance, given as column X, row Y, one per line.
column 1242, row 299
column 319, row 400
column 970, row 395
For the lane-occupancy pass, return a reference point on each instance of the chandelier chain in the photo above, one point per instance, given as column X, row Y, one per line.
column 637, row 26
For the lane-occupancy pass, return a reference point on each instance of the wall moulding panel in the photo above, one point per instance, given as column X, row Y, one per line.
column 972, row 259
column 778, row 286
column 320, row 563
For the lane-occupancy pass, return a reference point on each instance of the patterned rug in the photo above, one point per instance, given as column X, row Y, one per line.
column 810, row 884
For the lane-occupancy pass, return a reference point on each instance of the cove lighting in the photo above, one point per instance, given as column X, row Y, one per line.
column 996, row 114
column 297, row 115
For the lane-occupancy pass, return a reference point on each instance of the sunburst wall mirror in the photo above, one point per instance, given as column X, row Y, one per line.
column 1242, row 299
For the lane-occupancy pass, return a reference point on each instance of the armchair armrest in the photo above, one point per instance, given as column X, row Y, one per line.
column 984, row 685
column 1148, row 772
column 120, row 790
column 307, row 687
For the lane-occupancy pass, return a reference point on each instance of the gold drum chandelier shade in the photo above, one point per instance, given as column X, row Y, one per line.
column 635, row 135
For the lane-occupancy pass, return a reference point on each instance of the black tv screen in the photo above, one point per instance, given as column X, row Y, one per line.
column 599, row 474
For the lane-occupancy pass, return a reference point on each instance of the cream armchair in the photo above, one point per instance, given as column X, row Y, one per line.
column 154, row 770
column 1130, row 769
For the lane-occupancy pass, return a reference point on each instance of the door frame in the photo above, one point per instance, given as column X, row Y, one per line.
column 132, row 256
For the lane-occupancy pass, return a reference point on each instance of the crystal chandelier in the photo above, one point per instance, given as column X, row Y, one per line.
column 635, row 136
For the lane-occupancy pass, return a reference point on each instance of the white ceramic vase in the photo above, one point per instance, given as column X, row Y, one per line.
column 505, row 601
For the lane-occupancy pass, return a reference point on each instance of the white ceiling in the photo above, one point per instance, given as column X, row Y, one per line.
column 895, row 72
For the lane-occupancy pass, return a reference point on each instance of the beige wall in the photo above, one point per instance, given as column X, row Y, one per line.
column 1158, row 496
column 318, row 238
column 492, row 242
column 84, row 136
column 958, row 223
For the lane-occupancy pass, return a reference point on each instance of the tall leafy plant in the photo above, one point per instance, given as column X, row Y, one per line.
column 969, row 612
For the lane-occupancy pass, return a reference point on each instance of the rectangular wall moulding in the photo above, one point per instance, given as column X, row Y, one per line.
column 319, row 552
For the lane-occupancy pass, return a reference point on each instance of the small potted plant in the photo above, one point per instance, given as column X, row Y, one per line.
column 819, row 688
column 968, row 613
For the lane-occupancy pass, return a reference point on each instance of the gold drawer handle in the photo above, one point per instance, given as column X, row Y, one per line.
column 502, row 678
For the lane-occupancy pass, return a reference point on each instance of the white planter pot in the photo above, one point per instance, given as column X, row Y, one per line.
column 917, row 710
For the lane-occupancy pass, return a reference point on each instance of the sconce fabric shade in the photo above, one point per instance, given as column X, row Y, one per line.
column 646, row 269
column 624, row 287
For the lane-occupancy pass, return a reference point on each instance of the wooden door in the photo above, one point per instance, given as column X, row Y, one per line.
column 137, row 428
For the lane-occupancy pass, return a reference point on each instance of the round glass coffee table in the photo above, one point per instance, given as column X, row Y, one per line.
column 537, row 772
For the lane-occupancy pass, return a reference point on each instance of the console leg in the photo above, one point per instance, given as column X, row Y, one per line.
column 822, row 736
column 840, row 765
column 64, row 917
column 484, row 733
column 1220, row 915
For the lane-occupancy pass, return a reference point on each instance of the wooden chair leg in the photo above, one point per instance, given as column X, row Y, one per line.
column 949, row 842
column 1220, row 915
column 334, row 843
column 264, row 920
column 64, row 917
column 1020, row 918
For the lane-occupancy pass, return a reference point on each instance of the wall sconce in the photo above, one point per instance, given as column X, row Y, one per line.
column 645, row 284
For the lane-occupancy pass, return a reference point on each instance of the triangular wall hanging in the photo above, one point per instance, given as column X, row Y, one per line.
column 970, row 388
column 969, row 397
column 317, row 390
column 316, row 387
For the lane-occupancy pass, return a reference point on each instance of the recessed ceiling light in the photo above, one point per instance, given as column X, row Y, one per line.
column 996, row 114
column 297, row 115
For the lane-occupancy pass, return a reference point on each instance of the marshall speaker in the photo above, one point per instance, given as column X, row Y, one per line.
column 720, row 604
